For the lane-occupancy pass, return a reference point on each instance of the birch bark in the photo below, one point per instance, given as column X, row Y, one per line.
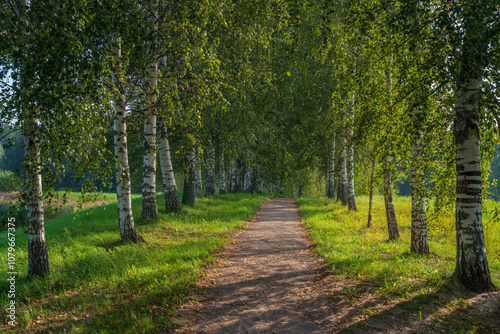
column 418, row 243
column 330, row 174
column 248, row 178
column 370, row 201
column 342, row 194
column 38, row 257
column 259, row 183
column 123, row 186
column 392, row 223
column 472, row 268
column 170, row 192
column 222, row 175
column 210, row 179
column 351, row 200
column 149, row 206
column 239, row 175
column 199, row 180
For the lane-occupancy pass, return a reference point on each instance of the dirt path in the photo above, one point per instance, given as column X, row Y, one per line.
column 267, row 282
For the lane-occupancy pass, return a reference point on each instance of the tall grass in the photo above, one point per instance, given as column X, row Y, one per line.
column 98, row 285
column 352, row 249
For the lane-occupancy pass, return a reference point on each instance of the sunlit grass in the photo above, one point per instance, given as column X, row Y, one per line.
column 344, row 240
column 384, row 278
column 98, row 285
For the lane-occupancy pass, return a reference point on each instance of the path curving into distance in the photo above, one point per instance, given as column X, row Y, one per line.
column 266, row 282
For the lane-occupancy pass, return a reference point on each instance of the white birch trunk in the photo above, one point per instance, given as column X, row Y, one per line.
column 471, row 263
column 248, row 178
column 123, row 186
column 222, row 175
column 370, row 201
column 419, row 243
column 233, row 177
column 170, row 192
column 38, row 258
column 198, row 178
column 258, row 185
column 238, row 176
column 350, row 180
column 149, row 206
column 210, row 179
column 330, row 173
column 392, row 223
column 342, row 195
column 351, row 199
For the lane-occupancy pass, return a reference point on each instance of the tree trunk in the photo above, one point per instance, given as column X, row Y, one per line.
column 222, row 175
column 370, row 202
column 330, row 173
column 392, row 223
column 149, row 207
column 419, row 243
column 38, row 257
column 248, row 178
column 472, row 265
column 342, row 194
column 170, row 192
column 259, row 182
column 238, row 176
column 210, row 176
column 123, row 186
column 189, row 193
column 351, row 200
column 232, row 177
column 199, row 180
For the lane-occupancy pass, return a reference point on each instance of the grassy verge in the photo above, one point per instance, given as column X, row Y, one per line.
column 98, row 285
column 379, row 275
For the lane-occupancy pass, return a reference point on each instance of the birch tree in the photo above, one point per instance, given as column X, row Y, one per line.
column 222, row 174
column 330, row 173
column 210, row 175
column 199, row 181
column 170, row 192
column 149, row 207
column 123, row 185
column 471, row 264
column 38, row 258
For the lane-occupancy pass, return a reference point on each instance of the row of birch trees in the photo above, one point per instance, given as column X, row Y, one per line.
column 263, row 97
column 415, row 88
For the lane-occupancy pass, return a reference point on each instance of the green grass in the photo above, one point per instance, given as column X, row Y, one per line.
column 374, row 266
column 98, row 285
